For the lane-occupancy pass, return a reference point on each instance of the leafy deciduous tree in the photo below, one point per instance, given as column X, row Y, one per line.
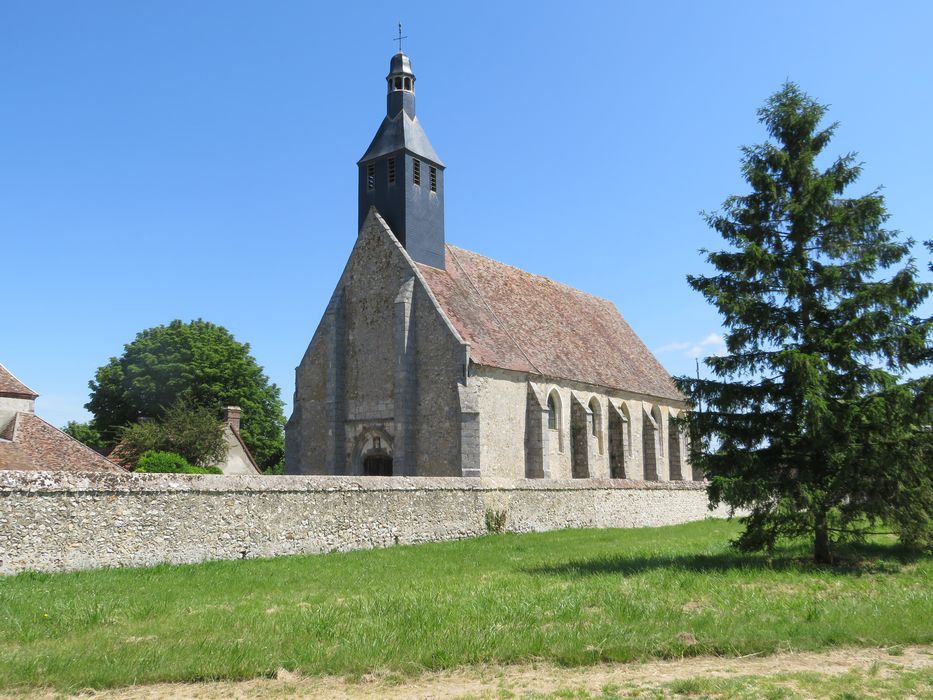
column 198, row 363
column 808, row 422
column 86, row 433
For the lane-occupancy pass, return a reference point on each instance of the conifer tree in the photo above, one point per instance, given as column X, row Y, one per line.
column 808, row 422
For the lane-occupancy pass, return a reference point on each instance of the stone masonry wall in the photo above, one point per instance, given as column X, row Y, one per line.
column 54, row 521
column 383, row 362
column 504, row 399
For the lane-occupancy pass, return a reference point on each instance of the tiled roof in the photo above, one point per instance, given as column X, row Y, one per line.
column 28, row 442
column 11, row 386
column 249, row 455
column 519, row 321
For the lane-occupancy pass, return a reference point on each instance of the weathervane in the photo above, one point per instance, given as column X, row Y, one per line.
column 400, row 37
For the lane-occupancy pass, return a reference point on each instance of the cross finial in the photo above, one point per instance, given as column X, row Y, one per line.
column 400, row 37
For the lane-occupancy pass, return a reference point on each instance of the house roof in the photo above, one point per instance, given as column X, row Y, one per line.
column 249, row 455
column 519, row 321
column 11, row 386
column 28, row 442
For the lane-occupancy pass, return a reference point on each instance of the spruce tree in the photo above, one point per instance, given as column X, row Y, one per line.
column 808, row 423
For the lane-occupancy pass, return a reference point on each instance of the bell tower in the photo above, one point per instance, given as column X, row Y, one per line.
column 401, row 175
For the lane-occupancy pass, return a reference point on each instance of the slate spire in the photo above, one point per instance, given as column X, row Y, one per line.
column 401, row 175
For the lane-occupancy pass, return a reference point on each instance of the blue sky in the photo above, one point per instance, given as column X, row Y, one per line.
column 183, row 160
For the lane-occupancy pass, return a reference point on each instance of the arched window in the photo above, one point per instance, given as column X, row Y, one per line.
column 675, row 447
column 596, row 428
column 398, row 83
column 408, row 83
column 555, row 419
column 619, row 439
column 627, row 433
column 659, row 421
column 651, row 443
column 579, row 440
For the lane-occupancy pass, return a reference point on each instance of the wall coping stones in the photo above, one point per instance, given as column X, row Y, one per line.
column 48, row 482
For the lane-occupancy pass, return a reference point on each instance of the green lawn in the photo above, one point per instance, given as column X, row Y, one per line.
column 569, row 597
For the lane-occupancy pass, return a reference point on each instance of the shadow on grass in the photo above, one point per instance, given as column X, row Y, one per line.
column 854, row 559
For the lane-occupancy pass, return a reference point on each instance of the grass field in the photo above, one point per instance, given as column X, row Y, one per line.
column 571, row 597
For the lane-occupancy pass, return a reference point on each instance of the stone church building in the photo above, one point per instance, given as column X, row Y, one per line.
column 432, row 360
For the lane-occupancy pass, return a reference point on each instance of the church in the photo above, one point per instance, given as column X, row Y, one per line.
column 432, row 360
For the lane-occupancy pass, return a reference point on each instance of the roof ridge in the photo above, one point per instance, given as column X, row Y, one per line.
column 491, row 311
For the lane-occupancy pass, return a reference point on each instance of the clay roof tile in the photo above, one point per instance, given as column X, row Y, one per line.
column 37, row 445
column 519, row 321
column 11, row 386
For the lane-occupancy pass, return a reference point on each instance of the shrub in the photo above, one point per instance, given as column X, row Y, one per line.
column 155, row 462
column 495, row 520
column 189, row 430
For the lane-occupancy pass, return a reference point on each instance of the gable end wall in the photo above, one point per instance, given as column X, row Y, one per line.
column 360, row 377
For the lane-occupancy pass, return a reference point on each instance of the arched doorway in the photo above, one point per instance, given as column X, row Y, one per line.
column 377, row 464
column 372, row 455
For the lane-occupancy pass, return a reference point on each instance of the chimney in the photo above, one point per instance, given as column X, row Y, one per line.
column 232, row 418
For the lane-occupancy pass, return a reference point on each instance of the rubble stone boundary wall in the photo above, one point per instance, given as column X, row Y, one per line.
column 60, row 521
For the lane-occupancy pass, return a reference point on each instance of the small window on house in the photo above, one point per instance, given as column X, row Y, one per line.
column 416, row 171
column 408, row 83
column 391, row 171
column 398, row 83
column 551, row 412
column 433, row 179
column 371, row 176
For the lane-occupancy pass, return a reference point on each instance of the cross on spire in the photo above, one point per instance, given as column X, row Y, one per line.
column 400, row 37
